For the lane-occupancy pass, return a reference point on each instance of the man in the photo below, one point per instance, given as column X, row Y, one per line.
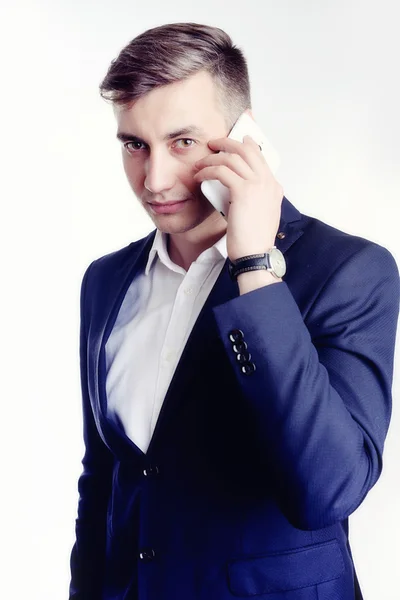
column 232, row 421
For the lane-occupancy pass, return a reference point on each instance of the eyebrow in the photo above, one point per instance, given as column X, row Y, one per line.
column 189, row 130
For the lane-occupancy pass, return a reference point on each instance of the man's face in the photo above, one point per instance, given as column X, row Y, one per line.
column 159, row 157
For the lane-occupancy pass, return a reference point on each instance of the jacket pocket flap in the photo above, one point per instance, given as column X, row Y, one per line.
column 286, row 571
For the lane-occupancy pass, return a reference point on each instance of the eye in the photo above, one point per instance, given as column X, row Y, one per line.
column 127, row 144
column 186, row 140
column 136, row 146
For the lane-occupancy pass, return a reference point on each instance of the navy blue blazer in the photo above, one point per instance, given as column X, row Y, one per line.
column 251, row 474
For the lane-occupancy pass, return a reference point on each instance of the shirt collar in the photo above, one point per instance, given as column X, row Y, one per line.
column 159, row 248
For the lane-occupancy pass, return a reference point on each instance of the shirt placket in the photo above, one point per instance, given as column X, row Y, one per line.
column 175, row 334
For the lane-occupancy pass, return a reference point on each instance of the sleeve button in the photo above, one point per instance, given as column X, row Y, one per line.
column 236, row 335
column 239, row 347
column 248, row 368
column 243, row 358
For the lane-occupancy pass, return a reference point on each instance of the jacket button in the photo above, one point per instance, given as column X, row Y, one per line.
column 236, row 335
column 147, row 554
column 149, row 471
column 248, row 368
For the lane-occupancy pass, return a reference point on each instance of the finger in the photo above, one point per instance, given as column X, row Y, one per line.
column 220, row 172
column 249, row 140
column 249, row 151
column 233, row 161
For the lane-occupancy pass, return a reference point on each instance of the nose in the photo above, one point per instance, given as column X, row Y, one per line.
column 160, row 170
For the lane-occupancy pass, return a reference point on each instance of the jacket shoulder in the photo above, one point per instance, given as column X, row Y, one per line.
column 113, row 263
column 330, row 248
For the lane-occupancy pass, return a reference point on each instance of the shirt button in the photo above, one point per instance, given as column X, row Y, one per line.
column 189, row 290
column 147, row 554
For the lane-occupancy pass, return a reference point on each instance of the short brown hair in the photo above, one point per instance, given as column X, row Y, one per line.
column 174, row 52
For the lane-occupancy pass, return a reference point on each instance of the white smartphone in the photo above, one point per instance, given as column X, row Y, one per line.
column 214, row 190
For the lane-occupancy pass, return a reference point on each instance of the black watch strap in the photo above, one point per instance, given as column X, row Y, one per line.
column 253, row 262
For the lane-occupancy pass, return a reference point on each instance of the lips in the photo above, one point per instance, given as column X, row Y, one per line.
column 169, row 203
column 168, row 207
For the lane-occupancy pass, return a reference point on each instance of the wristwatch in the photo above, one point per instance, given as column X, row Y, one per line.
column 273, row 261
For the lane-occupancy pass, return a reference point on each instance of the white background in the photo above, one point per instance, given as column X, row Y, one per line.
column 324, row 80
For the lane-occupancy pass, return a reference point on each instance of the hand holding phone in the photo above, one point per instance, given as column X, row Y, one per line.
column 214, row 190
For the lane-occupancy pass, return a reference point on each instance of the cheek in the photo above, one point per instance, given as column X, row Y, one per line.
column 133, row 171
column 187, row 174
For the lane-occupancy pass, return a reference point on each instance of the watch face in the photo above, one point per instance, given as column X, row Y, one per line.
column 277, row 261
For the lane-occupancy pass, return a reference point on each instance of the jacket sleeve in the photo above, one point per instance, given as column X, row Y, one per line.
column 88, row 552
column 320, row 393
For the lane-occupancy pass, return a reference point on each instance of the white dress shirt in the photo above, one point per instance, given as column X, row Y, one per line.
column 153, row 324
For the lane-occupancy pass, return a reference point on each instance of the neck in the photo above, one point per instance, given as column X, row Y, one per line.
column 185, row 248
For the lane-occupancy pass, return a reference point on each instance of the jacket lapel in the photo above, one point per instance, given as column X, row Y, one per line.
column 112, row 290
column 202, row 333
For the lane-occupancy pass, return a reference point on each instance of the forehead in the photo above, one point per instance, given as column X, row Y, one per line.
column 193, row 100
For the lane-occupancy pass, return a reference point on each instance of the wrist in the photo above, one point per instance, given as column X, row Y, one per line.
column 272, row 261
column 239, row 254
column 253, row 280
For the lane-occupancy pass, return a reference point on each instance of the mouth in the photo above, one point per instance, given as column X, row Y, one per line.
column 168, row 207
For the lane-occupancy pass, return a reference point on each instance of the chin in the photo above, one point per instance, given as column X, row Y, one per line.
column 175, row 225
column 173, row 228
